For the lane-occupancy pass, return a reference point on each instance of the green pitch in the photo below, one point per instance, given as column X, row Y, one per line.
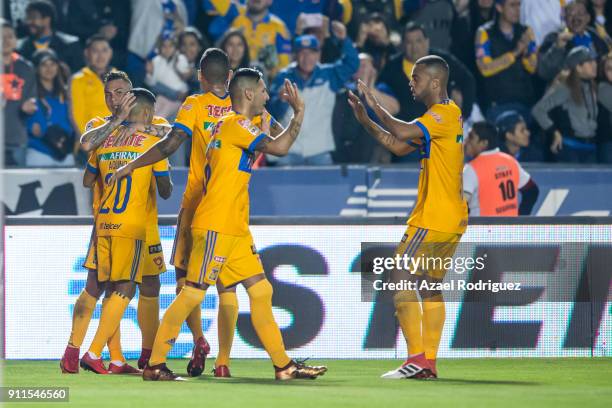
column 515, row 383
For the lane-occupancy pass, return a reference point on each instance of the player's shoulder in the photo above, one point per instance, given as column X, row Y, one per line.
column 234, row 121
column 96, row 121
column 159, row 120
column 445, row 109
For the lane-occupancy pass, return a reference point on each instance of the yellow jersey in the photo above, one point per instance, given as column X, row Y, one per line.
column 97, row 188
column 197, row 117
column 121, row 208
column 224, row 207
column 440, row 205
column 87, row 95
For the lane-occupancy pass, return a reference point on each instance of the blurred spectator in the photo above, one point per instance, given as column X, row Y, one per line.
column 604, row 96
column 353, row 144
column 568, row 111
column 356, row 11
column 437, row 18
column 235, row 45
column 191, row 45
column 18, row 98
column 151, row 19
column 397, row 74
column 289, row 11
column 87, row 87
column 268, row 37
column 515, row 137
column 319, row 84
column 506, row 55
column 14, row 11
column 109, row 18
column 51, row 137
column 374, row 38
column 600, row 12
column 318, row 25
column 542, row 16
column 491, row 178
column 41, row 18
column 167, row 75
column 557, row 44
column 478, row 12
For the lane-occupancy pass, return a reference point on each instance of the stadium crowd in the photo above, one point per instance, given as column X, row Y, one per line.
column 539, row 70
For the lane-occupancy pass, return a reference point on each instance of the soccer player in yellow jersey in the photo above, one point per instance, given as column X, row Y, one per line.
column 197, row 117
column 439, row 217
column 119, row 101
column 121, row 228
column 222, row 246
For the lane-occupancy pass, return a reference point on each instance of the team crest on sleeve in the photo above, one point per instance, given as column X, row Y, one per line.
column 186, row 107
column 245, row 123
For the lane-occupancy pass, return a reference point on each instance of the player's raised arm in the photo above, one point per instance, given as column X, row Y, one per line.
column 93, row 138
column 400, row 129
column 280, row 144
column 387, row 139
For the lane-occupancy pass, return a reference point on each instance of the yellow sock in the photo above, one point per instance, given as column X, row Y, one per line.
column 83, row 310
column 226, row 321
column 409, row 315
column 174, row 317
column 260, row 297
column 194, row 320
column 434, row 315
column 148, row 319
column 114, row 341
column 112, row 312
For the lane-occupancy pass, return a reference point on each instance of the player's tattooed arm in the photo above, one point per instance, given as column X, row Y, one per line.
column 93, row 138
column 387, row 139
column 159, row 151
column 157, row 130
column 164, row 186
column 281, row 140
column 401, row 129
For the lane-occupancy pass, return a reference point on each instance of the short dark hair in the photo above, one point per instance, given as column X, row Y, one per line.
column 143, row 95
column 378, row 18
column 96, row 38
column 45, row 8
column 115, row 75
column 435, row 63
column 413, row 26
column 488, row 132
column 243, row 78
column 215, row 65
